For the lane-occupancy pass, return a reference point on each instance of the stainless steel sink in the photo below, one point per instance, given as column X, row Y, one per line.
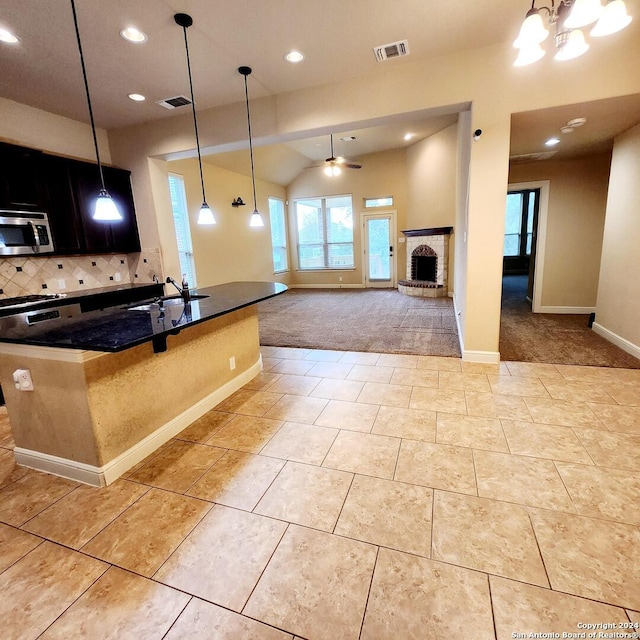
column 165, row 301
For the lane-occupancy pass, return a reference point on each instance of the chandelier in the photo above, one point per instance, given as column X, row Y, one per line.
column 568, row 17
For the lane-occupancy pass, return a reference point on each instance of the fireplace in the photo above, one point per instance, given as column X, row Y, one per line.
column 424, row 264
column 427, row 262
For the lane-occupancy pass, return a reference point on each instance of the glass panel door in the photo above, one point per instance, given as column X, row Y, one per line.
column 379, row 262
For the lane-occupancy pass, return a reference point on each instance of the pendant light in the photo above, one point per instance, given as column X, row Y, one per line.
column 205, row 216
column 256, row 218
column 105, row 209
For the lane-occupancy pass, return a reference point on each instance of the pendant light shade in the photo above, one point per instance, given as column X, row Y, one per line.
column 574, row 46
column 205, row 216
column 532, row 31
column 583, row 12
column 613, row 19
column 105, row 209
column 529, row 55
column 256, row 218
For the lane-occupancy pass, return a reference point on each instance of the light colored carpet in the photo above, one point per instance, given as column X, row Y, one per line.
column 373, row 320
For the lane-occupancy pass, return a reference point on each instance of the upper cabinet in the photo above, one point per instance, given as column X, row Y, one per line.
column 21, row 178
column 103, row 237
column 66, row 190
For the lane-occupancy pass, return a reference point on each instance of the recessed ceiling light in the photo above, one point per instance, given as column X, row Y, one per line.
column 552, row 142
column 408, row 136
column 8, row 37
column 576, row 122
column 294, row 56
column 137, row 97
column 348, row 139
column 567, row 129
column 133, row 35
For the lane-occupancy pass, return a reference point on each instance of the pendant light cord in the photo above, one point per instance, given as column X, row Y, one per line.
column 193, row 108
column 86, row 88
column 253, row 175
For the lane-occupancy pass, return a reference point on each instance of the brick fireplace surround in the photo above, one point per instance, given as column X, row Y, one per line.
column 424, row 244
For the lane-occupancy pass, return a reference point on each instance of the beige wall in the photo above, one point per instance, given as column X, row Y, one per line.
column 574, row 228
column 382, row 174
column 230, row 250
column 485, row 78
column 618, row 306
column 431, row 172
column 38, row 129
column 432, row 182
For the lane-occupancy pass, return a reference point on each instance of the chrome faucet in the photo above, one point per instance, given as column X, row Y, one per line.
column 184, row 290
column 175, row 284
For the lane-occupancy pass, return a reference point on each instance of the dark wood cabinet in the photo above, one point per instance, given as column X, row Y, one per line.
column 72, row 187
column 21, row 178
column 65, row 225
column 66, row 190
column 100, row 237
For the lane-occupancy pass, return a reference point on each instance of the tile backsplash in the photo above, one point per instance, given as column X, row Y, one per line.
column 27, row 275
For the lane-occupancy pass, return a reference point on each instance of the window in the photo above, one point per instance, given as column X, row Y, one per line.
column 378, row 202
column 518, row 232
column 278, row 235
column 181, row 224
column 325, row 232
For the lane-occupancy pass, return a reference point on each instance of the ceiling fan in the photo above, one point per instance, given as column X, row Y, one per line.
column 333, row 164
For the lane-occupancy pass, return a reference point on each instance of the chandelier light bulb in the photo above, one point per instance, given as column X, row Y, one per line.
column 532, row 31
column 583, row 12
column 574, row 46
column 7, row 36
column 529, row 55
column 614, row 18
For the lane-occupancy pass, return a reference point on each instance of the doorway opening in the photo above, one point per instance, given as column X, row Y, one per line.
column 520, row 235
column 379, row 231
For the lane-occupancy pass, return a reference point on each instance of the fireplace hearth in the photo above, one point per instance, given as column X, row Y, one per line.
column 427, row 262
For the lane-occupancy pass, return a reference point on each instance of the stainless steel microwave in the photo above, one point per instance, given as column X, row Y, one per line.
column 24, row 233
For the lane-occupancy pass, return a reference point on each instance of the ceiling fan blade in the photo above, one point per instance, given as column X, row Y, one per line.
column 352, row 165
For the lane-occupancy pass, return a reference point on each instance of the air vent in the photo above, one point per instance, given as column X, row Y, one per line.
column 532, row 157
column 392, row 50
column 174, row 103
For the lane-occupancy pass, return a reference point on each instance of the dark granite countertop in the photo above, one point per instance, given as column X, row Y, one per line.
column 89, row 299
column 121, row 327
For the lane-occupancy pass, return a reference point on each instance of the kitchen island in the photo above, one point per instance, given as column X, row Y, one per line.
column 112, row 385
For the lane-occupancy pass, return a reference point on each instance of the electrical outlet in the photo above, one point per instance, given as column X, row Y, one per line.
column 340, row 279
column 61, row 283
column 22, row 378
column 118, row 277
column 232, row 363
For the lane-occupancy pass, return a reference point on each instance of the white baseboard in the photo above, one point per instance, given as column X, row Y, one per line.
column 338, row 285
column 619, row 341
column 468, row 355
column 485, row 357
column 102, row 476
column 572, row 310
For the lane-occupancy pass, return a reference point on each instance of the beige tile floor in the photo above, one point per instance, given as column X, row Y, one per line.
column 348, row 496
